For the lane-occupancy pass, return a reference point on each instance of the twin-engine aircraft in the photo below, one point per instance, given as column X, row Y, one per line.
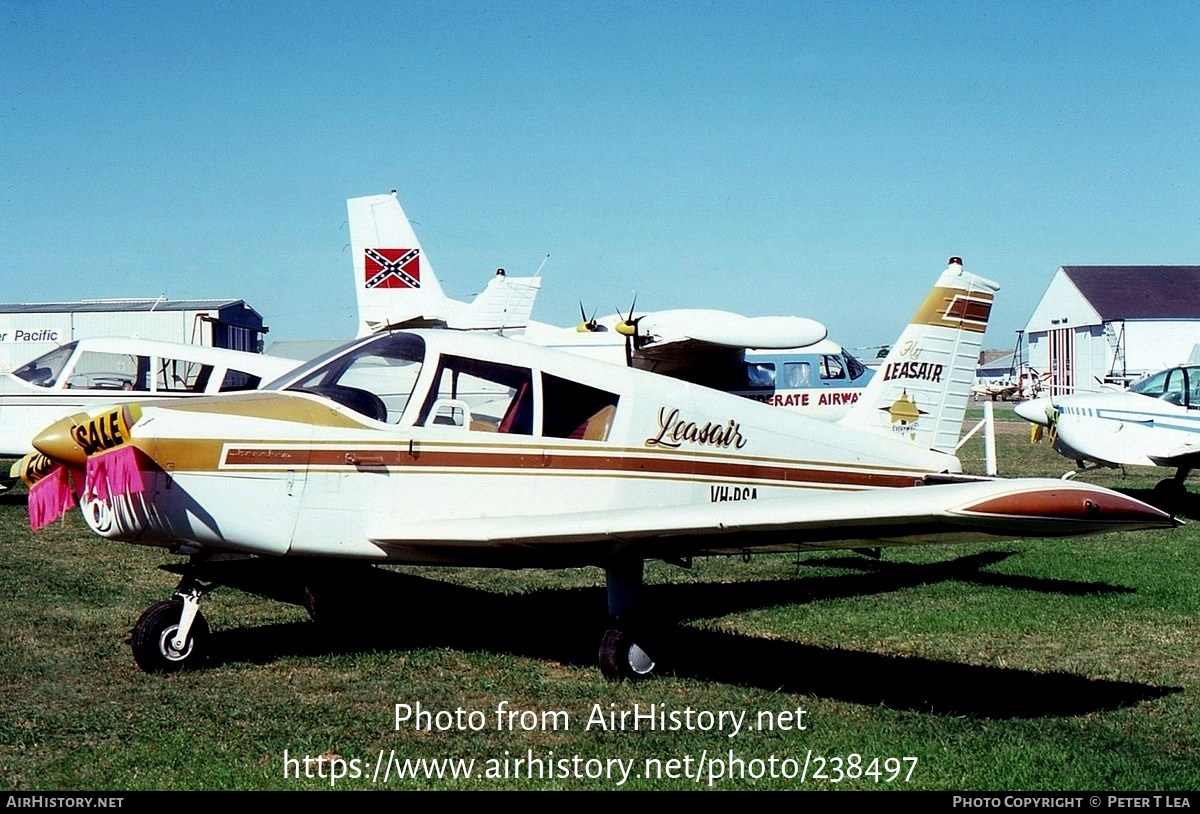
column 785, row 361
column 437, row 447
column 1155, row 422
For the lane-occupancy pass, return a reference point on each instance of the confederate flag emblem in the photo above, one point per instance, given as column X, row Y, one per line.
column 393, row 268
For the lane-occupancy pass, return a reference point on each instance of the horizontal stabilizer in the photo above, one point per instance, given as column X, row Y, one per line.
column 504, row 306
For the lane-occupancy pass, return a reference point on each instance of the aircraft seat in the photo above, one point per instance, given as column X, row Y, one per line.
column 597, row 426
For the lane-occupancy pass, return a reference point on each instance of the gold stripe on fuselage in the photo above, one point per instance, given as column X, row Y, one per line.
column 197, row 456
column 292, row 407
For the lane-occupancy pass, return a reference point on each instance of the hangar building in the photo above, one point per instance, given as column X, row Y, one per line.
column 28, row 330
column 1113, row 323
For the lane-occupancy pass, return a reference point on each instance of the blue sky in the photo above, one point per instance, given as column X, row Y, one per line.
column 821, row 159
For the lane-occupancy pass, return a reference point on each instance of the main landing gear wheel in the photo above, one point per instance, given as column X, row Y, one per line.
column 153, row 649
column 622, row 657
column 1169, row 495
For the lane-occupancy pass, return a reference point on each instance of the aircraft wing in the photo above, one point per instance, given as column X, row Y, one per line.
column 1187, row 455
column 727, row 329
column 955, row 512
column 691, row 343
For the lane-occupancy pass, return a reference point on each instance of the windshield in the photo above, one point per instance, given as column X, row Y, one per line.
column 283, row 381
column 375, row 379
column 855, row 367
column 1153, row 385
column 45, row 370
column 1176, row 385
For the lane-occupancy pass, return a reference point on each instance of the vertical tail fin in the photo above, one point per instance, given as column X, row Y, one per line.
column 920, row 393
column 395, row 283
column 393, row 279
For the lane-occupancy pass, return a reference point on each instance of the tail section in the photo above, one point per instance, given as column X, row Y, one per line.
column 395, row 283
column 393, row 278
column 504, row 306
column 920, row 393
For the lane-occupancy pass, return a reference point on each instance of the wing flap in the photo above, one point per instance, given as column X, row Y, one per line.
column 982, row 510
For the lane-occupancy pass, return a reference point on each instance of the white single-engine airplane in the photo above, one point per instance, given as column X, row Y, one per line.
column 98, row 371
column 1155, row 422
column 436, row 447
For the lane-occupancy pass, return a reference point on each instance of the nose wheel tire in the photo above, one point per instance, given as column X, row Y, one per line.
column 152, row 635
column 622, row 657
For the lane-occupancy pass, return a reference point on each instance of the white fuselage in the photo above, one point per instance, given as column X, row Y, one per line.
column 286, row 472
column 1124, row 429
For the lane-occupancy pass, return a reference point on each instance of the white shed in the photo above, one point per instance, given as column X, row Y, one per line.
column 28, row 330
column 1113, row 323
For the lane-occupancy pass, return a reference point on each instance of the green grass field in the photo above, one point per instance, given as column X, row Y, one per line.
column 1030, row 665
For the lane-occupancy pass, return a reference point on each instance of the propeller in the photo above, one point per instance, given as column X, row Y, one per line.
column 587, row 326
column 627, row 327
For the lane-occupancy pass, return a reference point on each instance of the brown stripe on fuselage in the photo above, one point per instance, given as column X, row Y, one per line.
column 534, row 460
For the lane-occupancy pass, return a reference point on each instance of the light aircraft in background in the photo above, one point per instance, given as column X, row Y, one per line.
column 1155, row 422
column 96, row 371
column 821, row 380
column 437, row 447
column 1026, row 383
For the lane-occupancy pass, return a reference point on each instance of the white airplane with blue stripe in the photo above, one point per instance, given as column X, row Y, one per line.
column 1156, row 422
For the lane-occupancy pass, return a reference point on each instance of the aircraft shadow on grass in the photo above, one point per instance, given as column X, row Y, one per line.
column 546, row 624
column 1185, row 506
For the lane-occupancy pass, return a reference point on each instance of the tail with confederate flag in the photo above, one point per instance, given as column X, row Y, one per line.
column 396, row 286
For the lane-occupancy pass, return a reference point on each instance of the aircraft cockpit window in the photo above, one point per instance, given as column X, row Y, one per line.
column 375, row 379
column 1171, row 385
column 45, row 370
column 239, row 380
column 1153, row 385
column 110, row 371
column 1176, row 390
column 574, row 410
column 853, row 366
column 481, row 396
column 832, row 368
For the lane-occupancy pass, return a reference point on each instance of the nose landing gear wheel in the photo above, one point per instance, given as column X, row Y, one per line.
column 622, row 657
column 152, row 634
